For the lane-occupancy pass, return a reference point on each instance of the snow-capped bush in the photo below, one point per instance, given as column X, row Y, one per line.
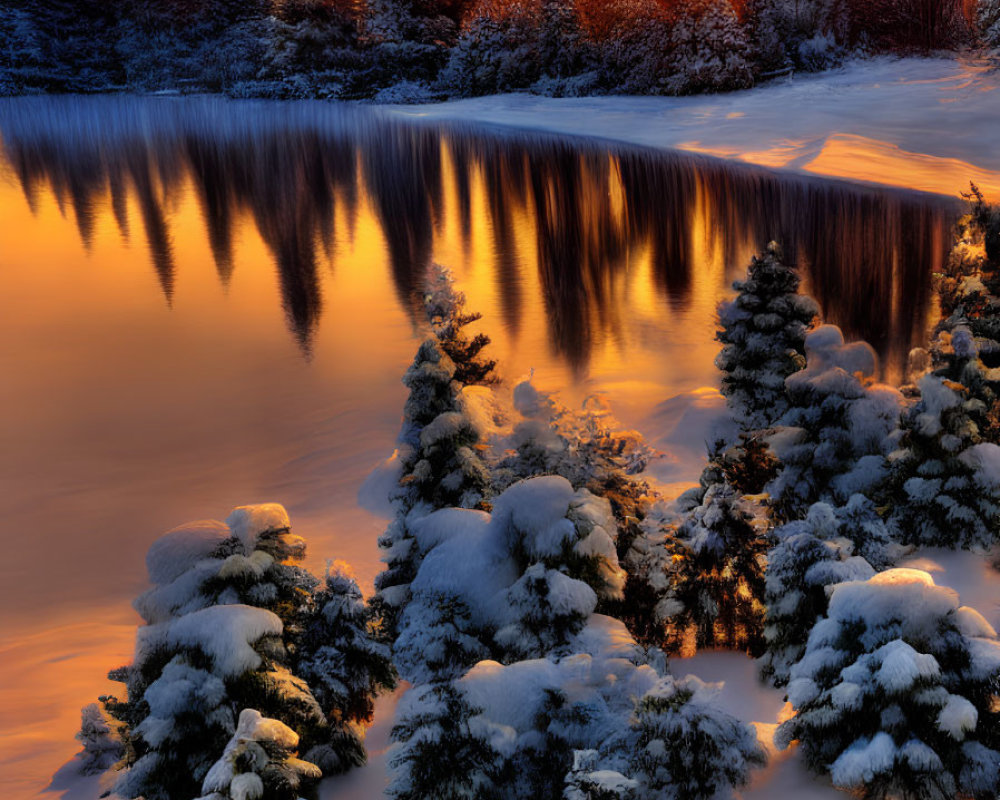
column 809, row 557
column 838, row 428
column 763, row 332
column 259, row 762
column 895, row 694
column 717, row 588
column 687, row 748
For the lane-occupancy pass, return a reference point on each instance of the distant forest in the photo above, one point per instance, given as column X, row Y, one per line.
column 420, row 50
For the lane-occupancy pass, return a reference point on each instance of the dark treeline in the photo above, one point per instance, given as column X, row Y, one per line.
column 412, row 50
column 867, row 255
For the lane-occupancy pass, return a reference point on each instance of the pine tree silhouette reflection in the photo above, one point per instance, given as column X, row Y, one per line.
column 867, row 254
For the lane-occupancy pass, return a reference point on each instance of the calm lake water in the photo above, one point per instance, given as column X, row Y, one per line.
column 211, row 303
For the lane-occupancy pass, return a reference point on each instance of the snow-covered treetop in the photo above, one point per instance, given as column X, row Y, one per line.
column 226, row 634
column 176, row 551
column 249, row 523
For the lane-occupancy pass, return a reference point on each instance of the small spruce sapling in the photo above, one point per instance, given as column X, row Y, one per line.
column 342, row 661
column 718, row 585
column 441, row 465
column 439, row 751
column 101, row 736
column 688, row 748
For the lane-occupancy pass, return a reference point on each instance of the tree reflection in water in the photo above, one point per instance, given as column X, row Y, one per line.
column 867, row 254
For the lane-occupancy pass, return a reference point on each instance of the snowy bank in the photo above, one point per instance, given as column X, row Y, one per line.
column 919, row 123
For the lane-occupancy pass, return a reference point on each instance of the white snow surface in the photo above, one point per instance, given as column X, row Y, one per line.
column 920, row 123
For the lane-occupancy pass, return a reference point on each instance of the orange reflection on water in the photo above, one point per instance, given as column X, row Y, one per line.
column 860, row 158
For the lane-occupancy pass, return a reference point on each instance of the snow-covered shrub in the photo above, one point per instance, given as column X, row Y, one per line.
column 809, row 557
column 802, row 34
column 709, row 49
column 101, row 736
column 341, row 660
column 838, row 429
column 259, row 762
column 946, row 480
column 688, row 749
column 763, row 332
column 895, row 695
column 717, row 589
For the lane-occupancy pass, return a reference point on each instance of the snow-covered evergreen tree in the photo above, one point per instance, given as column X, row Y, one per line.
column 895, row 695
column 717, row 590
column 763, row 332
column 946, row 480
column 550, row 558
column 342, row 662
column 542, row 611
column 437, row 639
column 230, row 618
column 259, row 762
column 439, row 460
column 440, row 751
column 189, row 673
column 838, row 429
column 809, row 557
column 708, row 48
column 688, row 749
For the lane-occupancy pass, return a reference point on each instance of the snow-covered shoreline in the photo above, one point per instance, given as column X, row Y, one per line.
column 918, row 123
